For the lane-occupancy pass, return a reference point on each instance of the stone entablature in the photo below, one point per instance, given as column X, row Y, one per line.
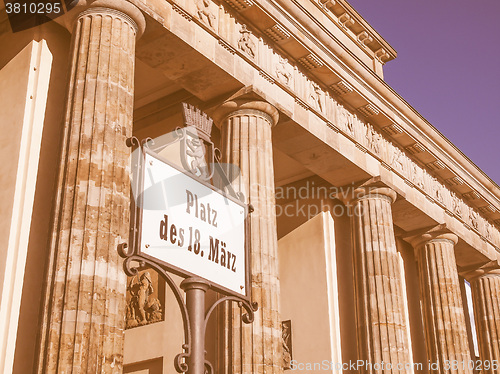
column 276, row 66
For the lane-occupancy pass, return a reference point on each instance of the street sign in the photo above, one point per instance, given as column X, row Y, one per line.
column 193, row 229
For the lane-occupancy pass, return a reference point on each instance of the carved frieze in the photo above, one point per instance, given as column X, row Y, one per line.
column 306, row 92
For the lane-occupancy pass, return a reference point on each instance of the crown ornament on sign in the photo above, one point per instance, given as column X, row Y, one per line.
column 195, row 117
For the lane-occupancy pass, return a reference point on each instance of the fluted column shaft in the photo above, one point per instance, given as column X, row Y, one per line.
column 83, row 320
column 444, row 320
column 381, row 321
column 486, row 299
column 246, row 143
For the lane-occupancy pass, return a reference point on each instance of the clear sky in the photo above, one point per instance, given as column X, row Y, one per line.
column 448, row 67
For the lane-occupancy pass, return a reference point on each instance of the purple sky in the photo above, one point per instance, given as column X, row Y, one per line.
column 448, row 67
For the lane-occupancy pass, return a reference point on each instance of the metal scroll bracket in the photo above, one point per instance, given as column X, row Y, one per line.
column 192, row 359
column 192, row 305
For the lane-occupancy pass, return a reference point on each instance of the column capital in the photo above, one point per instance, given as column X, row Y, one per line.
column 124, row 8
column 489, row 269
column 371, row 189
column 437, row 233
column 245, row 104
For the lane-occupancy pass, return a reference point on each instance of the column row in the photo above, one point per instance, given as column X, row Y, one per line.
column 381, row 323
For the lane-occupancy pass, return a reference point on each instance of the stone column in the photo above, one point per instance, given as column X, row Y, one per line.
column 246, row 144
column 444, row 320
column 486, row 299
column 380, row 310
column 83, row 321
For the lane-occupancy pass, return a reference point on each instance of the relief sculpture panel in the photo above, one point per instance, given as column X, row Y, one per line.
column 145, row 299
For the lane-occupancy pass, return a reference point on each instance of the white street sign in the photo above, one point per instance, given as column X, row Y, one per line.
column 192, row 228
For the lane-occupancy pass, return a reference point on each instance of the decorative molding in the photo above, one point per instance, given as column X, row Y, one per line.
column 361, row 148
column 325, row 3
column 240, row 5
column 455, row 181
column 487, row 209
column 415, row 148
column 346, row 20
column 473, row 195
column 227, row 46
column 393, row 129
column 364, row 38
column 436, row 165
column 182, row 12
column 382, row 55
column 302, row 103
column 277, row 33
column 310, row 61
column 342, row 88
column 369, row 110
column 332, row 126
column 409, row 183
column 266, row 76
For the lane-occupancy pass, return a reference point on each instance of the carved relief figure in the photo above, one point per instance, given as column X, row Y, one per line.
column 456, row 205
column 204, row 13
column 488, row 232
column 474, row 218
column 286, row 341
column 245, row 43
column 315, row 94
column 345, row 120
column 418, row 176
column 142, row 308
column 436, row 189
column 397, row 159
column 372, row 139
column 281, row 72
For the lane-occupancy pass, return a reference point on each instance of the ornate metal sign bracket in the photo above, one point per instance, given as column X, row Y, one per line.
column 200, row 158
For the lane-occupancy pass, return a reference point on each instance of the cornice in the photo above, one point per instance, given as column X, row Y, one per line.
column 356, row 27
